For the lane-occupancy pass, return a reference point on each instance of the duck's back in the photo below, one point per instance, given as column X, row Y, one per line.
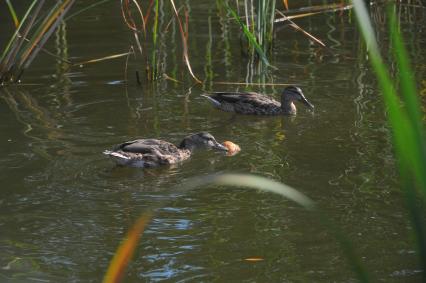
column 147, row 146
column 147, row 153
column 247, row 103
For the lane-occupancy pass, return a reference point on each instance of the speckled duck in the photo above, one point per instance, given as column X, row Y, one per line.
column 153, row 152
column 258, row 104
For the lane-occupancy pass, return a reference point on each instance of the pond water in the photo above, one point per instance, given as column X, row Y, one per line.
column 64, row 207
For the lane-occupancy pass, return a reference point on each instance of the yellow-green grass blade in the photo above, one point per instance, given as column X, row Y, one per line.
column 13, row 13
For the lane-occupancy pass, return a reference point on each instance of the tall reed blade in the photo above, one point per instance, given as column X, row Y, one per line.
column 45, row 32
column 405, row 121
column 23, row 47
column 184, row 38
column 10, row 53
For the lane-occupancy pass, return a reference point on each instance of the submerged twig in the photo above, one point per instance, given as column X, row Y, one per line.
column 131, row 51
column 326, row 9
column 298, row 28
column 109, row 57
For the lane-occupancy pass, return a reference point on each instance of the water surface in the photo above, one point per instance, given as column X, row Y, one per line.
column 64, row 207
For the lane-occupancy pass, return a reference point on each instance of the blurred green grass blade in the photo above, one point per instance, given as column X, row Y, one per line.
column 416, row 210
column 250, row 37
column 13, row 13
column 267, row 185
column 409, row 144
column 259, row 183
column 416, row 140
column 405, row 121
column 409, row 94
column 408, row 85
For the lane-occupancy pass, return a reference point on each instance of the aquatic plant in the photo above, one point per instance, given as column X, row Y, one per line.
column 147, row 43
column 32, row 33
column 404, row 117
column 257, row 25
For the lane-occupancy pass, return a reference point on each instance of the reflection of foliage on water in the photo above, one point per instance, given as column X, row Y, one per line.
column 38, row 122
column 41, row 119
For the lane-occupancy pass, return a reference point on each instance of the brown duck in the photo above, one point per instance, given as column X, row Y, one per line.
column 258, row 104
column 153, row 152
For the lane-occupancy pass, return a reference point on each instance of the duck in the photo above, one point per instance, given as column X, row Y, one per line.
column 258, row 104
column 147, row 153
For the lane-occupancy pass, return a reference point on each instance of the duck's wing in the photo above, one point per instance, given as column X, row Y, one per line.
column 233, row 97
column 147, row 146
column 244, row 102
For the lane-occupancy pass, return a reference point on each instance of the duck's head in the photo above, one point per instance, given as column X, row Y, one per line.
column 294, row 93
column 200, row 140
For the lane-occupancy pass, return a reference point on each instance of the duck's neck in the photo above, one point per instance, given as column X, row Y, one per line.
column 185, row 145
column 288, row 106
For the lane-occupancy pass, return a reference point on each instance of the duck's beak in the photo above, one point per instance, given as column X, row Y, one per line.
column 307, row 103
column 219, row 146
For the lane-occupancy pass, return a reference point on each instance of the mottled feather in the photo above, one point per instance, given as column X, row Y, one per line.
column 147, row 153
column 246, row 103
column 153, row 152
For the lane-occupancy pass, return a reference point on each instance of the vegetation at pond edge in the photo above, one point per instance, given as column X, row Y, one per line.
column 158, row 27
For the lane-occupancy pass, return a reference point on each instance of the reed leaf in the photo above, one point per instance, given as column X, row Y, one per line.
column 126, row 249
column 184, row 38
column 51, row 25
column 23, row 48
column 13, row 13
column 404, row 119
column 255, row 182
column 11, row 50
